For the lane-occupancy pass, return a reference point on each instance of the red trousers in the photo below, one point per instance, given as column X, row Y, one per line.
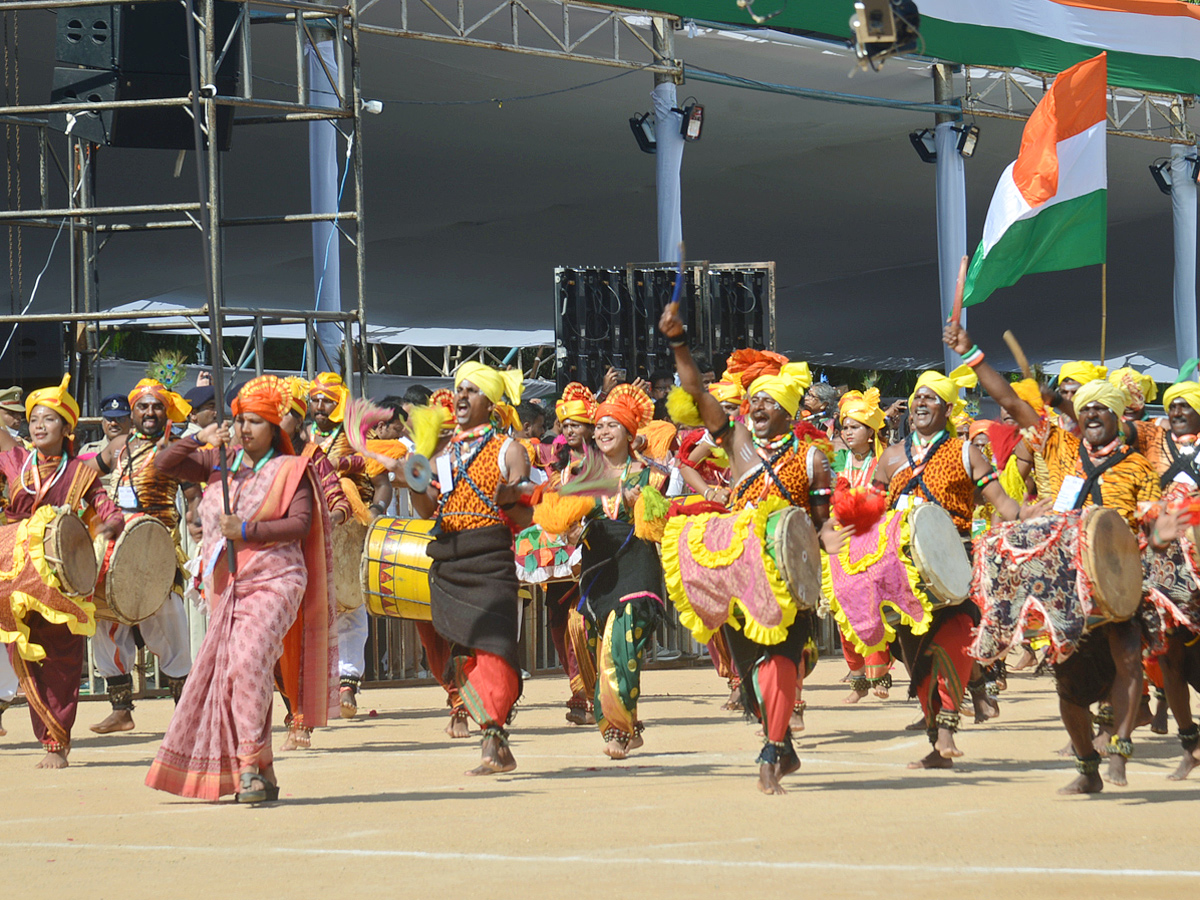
column 775, row 681
column 951, row 668
column 489, row 687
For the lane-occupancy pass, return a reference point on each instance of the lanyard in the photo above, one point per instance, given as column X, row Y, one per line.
column 39, row 490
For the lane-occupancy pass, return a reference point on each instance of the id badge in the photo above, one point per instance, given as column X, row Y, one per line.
column 904, row 501
column 1068, row 493
column 445, row 474
column 1185, row 479
column 126, row 498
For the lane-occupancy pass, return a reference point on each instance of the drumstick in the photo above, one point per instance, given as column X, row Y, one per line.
column 956, row 312
column 1018, row 354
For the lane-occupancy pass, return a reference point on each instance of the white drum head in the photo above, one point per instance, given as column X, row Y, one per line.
column 937, row 549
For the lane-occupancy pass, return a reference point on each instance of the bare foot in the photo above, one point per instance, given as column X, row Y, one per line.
column 1186, row 764
column 636, row 741
column 117, row 720
column 496, row 757
column 855, row 696
column 297, row 739
column 880, row 691
column 54, row 760
column 790, row 764
column 2, row 731
column 934, row 760
column 616, row 749
column 797, row 723
column 1084, row 784
column 1159, row 725
column 349, row 702
column 734, row 703
column 458, row 727
column 1027, row 661
column 1145, row 715
column 768, row 779
column 578, row 716
column 1066, row 752
column 1116, row 770
column 945, row 744
column 985, row 708
column 1100, row 742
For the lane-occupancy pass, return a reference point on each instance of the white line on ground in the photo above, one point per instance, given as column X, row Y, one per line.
column 443, row 856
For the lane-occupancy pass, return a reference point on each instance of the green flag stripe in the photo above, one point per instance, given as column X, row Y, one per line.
column 1064, row 236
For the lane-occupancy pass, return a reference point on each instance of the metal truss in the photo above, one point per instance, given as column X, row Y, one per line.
column 1004, row 93
column 403, row 360
column 558, row 29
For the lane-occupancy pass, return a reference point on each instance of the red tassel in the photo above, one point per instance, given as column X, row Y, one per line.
column 695, row 509
column 858, row 508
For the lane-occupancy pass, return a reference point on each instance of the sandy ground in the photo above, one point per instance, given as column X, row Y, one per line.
column 380, row 808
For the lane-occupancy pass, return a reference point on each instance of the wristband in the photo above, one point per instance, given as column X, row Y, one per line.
column 678, row 340
column 973, row 357
column 243, row 531
column 987, row 479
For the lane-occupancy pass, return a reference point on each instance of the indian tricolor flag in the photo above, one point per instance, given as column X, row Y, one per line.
column 1050, row 209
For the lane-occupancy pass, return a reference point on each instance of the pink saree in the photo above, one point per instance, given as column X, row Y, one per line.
column 222, row 725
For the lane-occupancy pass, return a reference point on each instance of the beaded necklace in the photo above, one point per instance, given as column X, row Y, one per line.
column 612, row 505
column 31, row 464
column 859, row 476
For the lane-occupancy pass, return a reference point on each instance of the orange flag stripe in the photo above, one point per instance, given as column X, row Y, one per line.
column 1074, row 103
column 1138, row 7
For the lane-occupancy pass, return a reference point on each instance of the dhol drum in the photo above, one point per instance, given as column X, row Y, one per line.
column 349, row 538
column 1056, row 575
column 47, row 557
column 137, row 571
column 759, row 565
column 67, row 549
column 395, row 568
column 908, row 564
column 543, row 558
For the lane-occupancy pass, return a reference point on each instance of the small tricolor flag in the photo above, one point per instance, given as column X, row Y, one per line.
column 1050, row 208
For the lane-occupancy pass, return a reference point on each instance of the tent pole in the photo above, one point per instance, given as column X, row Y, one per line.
column 951, row 201
column 1103, row 311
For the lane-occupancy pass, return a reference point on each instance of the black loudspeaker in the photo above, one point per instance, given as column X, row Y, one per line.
column 137, row 52
column 35, row 353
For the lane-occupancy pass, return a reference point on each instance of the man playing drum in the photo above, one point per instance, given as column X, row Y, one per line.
column 141, row 488
column 44, row 621
column 933, row 466
column 1096, row 468
column 766, row 461
column 1172, row 453
column 327, row 400
column 483, row 482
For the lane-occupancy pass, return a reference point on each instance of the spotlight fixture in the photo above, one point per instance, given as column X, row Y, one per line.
column 968, row 138
column 643, row 130
column 693, row 119
column 883, row 28
column 1160, row 170
column 923, row 143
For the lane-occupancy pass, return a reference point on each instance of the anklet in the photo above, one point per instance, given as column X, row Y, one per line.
column 1088, row 765
column 771, row 752
column 883, row 681
column 860, row 684
column 1120, row 746
column 1190, row 739
column 948, row 720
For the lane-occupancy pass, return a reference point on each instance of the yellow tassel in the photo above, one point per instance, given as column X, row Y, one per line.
column 681, row 407
column 559, row 513
column 647, row 529
column 425, row 427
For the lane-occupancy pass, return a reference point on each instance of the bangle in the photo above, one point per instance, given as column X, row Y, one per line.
column 243, row 531
column 973, row 357
column 987, row 479
column 379, row 507
column 678, row 340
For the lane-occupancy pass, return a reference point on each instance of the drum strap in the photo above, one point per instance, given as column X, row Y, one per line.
column 1091, row 483
column 918, row 469
column 1181, row 464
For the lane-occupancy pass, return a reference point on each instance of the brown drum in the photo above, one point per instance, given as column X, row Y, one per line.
column 793, row 545
column 395, row 568
column 348, row 540
column 1112, row 562
column 137, row 571
column 68, row 550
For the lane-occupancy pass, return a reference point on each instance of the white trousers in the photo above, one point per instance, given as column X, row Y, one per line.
column 8, row 678
column 165, row 634
column 352, row 642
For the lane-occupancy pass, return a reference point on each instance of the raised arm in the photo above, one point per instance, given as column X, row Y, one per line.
column 956, row 338
column 711, row 412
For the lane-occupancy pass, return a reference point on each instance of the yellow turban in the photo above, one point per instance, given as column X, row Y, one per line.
column 947, row 387
column 1188, row 391
column 177, row 408
column 495, row 385
column 727, row 391
column 56, row 399
column 786, row 388
column 1031, row 392
column 331, row 385
column 798, row 371
column 299, row 388
column 1144, row 383
column 578, row 404
column 1081, row 371
column 862, row 406
column 1102, row 392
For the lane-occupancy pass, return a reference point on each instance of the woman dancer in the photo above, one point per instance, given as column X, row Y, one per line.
column 219, row 741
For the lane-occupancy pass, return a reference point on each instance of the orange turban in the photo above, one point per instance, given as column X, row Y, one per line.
column 745, row 366
column 978, row 427
column 330, row 384
column 177, row 408
column 444, row 398
column 299, row 395
column 269, row 398
column 630, row 406
column 578, row 404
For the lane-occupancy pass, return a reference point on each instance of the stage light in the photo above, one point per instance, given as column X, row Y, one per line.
column 923, row 143
column 968, row 138
column 883, row 28
column 643, row 130
column 693, row 119
column 1161, row 172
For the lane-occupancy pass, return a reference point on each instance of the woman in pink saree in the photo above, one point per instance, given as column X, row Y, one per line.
column 219, row 740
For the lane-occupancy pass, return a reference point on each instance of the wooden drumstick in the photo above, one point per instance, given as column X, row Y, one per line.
column 956, row 311
column 1018, row 354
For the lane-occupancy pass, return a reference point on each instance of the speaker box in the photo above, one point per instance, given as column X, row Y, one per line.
column 139, row 37
column 162, row 128
column 137, row 52
column 35, row 353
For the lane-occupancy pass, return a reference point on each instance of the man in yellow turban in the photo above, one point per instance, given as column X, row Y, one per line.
column 141, row 488
column 1139, row 388
column 768, row 464
column 1095, row 468
column 477, row 385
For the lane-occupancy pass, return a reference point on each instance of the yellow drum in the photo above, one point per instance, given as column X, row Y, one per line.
column 395, row 569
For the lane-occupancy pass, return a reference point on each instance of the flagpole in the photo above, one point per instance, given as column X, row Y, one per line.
column 1103, row 309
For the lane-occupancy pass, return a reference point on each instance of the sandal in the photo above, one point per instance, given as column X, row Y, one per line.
column 248, row 794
